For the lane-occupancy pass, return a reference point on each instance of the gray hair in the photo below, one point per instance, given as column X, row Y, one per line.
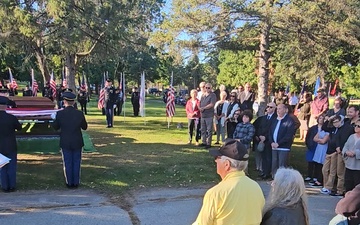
column 288, row 189
column 235, row 164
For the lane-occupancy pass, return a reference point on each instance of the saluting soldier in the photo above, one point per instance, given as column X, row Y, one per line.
column 8, row 123
column 83, row 99
column 70, row 121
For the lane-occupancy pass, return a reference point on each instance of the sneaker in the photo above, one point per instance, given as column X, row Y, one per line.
column 336, row 194
column 316, row 184
column 308, row 179
column 325, row 191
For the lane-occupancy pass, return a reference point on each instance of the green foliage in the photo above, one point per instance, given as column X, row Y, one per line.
column 237, row 68
column 350, row 80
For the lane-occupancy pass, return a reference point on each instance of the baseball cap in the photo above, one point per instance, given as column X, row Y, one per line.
column 232, row 149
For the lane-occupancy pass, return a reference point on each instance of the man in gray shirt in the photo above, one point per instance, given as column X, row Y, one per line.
column 207, row 102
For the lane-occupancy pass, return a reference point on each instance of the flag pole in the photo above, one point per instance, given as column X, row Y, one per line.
column 124, row 93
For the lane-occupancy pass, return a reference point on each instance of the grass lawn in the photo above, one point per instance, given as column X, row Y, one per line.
column 136, row 154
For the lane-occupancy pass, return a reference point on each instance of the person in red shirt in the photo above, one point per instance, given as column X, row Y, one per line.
column 193, row 115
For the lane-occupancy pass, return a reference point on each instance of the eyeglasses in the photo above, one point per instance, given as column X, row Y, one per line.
column 207, row 87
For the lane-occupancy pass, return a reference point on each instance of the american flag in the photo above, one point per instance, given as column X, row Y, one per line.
column 53, row 85
column 170, row 103
column 83, row 82
column 101, row 101
column 12, row 80
column 34, row 84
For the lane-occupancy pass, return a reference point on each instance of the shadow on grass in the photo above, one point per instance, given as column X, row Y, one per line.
column 122, row 164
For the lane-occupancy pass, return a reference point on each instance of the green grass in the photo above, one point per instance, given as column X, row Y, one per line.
column 137, row 153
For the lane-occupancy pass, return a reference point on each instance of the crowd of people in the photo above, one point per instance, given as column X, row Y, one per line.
column 331, row 137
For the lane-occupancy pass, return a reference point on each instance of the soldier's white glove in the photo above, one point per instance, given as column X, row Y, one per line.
column 53, row 115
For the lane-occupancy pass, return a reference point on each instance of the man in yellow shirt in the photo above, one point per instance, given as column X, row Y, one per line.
column 236, row 199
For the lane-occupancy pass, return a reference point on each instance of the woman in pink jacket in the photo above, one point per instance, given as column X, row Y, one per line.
column 193, row 115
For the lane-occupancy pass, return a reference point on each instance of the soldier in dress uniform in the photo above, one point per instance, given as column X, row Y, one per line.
column 110, row 102
column 27, row 91
column 119, row 101
column 12, row 91
column 59, row 97
column 135, row 97
column 70, row 121
column 83, row 98
column 47, row 91
column 8, row 123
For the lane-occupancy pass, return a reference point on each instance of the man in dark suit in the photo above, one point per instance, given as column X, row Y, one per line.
column 262, row 124
column 71, row 121
column 8, row 148
column 281, row 136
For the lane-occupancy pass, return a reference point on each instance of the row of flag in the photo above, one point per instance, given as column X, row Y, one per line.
column 170, row 104
column 52, row 82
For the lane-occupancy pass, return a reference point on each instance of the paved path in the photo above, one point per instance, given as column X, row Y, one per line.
column 149, row 207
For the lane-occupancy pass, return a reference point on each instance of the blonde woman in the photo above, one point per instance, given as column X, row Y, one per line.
column 286, row 203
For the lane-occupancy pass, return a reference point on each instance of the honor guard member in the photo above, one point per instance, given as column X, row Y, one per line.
column 135, row 97
column 62, row 98
column 70, row 121
column 110, row 102
column 12, row 91
column 119, row 101
column 27, row 91
column 59, row 97
column 8, row 123
column 83, row 99
column 47, row 92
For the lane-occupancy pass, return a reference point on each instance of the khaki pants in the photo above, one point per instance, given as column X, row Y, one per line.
column 340, row 172
column 329, row 170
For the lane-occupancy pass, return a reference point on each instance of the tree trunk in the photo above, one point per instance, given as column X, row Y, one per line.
column 41, row 62
column 264, row 70
column 70, row 70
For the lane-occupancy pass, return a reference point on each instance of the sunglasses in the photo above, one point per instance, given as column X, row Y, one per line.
column 357, row 126
column 269, row 107
column 232, row 96
column 207, row 87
